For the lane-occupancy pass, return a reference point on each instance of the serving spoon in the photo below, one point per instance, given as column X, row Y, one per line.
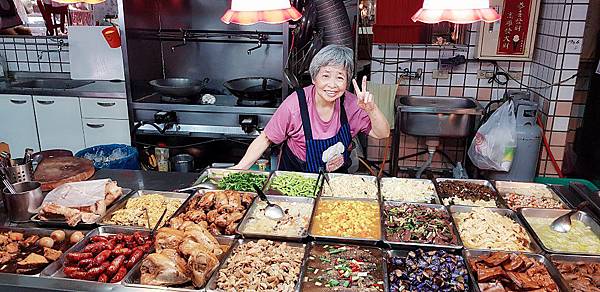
column 272, row 211
column 562, row 224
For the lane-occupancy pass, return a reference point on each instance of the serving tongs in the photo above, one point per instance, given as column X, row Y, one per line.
column 157, row 223
column 325, row 175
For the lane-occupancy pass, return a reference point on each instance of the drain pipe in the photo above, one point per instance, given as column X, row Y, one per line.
column 432, row 144
column 333, row 19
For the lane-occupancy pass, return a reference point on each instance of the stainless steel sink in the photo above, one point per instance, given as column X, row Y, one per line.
column 51, row 83
column 430, row 116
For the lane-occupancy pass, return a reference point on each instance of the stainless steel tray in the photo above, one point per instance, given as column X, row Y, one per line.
column 384, row 180
column 571, row 259
column 367, row 178
column 81, row 225
column 562, row 286
column 499, row 200
column 212, row 282
column 276, row 199
column 533, row 246
column 412, row 244
column 201, row 193
column 555, row 213
column 55, row 270
column 375, row 249
column 120, row 205
column 133, row 278
column 348, row 240
column 214, row 175
column 527, row 189
column 271, row 191
column 41, row 232
column 403, row 253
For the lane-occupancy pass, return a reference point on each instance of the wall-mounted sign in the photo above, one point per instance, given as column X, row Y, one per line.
column 513, row 37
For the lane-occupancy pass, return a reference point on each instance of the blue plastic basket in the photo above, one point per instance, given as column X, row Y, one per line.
column 113, row 156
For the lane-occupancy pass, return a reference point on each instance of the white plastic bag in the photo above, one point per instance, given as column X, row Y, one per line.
column 495, row 142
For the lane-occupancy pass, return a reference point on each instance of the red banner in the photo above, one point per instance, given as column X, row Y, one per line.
column 514, row 26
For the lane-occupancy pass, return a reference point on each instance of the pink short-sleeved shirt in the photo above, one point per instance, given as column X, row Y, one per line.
column 286, row 123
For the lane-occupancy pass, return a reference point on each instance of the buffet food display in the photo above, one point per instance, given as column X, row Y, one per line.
column 358, row 219
column 418, row 223
column 408, row 190
column 360, row 234
column 344, row 267
column 427, row 271
column 501, row 271
column 482, row 228
column 468, row 193
column 219, row 211
column 143, row 209
column 261, row 265
column 349, row 186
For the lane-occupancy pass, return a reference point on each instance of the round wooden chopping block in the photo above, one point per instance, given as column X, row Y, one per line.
column 53, row 172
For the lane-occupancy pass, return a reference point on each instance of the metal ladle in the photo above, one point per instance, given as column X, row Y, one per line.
column 562, row 224
column 272, row 211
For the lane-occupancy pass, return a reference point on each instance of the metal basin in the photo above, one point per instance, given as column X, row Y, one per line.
column 51, row 83
column 450, row 117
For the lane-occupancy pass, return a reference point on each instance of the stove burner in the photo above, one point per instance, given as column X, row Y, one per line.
column 178, row 99
column 254, row 102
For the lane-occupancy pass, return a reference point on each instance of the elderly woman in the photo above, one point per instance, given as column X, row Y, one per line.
column 316, row 124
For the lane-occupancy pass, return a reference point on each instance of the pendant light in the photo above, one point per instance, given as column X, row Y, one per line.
column 248, row 12
column 456, row 11
column 78, row 1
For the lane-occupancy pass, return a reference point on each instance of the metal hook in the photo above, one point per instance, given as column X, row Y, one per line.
column 184, row 36
column 261, row 38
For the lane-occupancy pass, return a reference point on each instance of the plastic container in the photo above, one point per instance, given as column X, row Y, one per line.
column 566, row 182
column 113, row 156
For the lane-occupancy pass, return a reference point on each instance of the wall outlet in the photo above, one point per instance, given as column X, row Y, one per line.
column 517, row 75
column 441, row 74
column 485, row 74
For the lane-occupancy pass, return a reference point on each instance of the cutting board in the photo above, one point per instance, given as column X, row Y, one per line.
column 53, row 172
column 90, row 56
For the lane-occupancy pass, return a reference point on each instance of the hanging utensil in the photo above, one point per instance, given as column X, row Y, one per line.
column 272, row 211
column 562, row 224
column 9, row 186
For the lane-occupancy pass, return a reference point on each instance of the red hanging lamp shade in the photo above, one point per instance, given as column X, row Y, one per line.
column 79, row 1
column 457, row 11
column 248, row 12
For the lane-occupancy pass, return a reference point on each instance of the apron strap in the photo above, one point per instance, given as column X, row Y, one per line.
column 304, row 114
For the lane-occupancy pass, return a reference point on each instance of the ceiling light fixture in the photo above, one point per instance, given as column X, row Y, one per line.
column 248, row 12
column 457, row 11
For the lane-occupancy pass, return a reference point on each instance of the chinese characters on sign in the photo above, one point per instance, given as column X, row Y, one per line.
column 514, row 27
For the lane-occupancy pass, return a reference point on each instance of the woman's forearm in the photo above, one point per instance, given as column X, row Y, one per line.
column 254, row 152
column 380, row 128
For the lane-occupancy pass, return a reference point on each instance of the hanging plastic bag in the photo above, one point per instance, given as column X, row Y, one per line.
column 494, row 145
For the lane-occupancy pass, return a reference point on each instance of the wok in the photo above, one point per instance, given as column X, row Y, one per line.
column 179, row 87
column 255, row 88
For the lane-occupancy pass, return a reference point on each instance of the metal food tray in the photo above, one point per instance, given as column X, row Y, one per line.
column 383, row 261
column 368, row 178
column 528, row 189
column 133, row 278
column 42, row 232
column 212, row 282
column 120, row 205
column 412, row 244
column 275, row 199
column 384, row 180
column 571, row 259
column 555, row 213
column 271, row 191
column 214, row 175
column 499, row 200
column 347, row 240
column 55, row 270
column 533, row 246
column 201, row 193
column 403, row 253
column 81, row 225
column 554, row 274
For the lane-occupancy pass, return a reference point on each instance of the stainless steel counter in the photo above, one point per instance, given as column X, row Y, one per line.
column 95, row 89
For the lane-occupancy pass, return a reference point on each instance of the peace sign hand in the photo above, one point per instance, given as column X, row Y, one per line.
column 365, row 98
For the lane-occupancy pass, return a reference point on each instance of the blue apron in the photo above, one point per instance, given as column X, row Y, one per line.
column 316, row 147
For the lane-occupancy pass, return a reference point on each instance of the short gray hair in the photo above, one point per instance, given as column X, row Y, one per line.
column 333, row 55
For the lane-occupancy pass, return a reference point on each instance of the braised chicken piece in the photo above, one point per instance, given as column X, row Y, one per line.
column 163, row 269
column 168, row 238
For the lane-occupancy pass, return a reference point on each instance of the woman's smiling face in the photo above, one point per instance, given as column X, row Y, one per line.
column 331, row 82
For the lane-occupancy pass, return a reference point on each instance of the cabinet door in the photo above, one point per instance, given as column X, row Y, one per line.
column 105, row 131
column 59, row 122
column 17, row 123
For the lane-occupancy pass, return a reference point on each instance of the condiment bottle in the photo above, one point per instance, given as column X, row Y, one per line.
column 162, row 157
